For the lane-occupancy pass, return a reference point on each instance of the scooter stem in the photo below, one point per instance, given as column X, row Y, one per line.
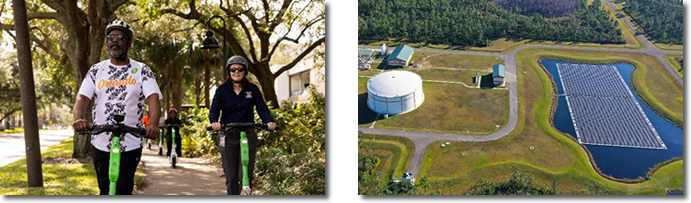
column 245, row 158
column 114, row 169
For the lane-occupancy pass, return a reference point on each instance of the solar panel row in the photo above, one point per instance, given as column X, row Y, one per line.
column 604, row 110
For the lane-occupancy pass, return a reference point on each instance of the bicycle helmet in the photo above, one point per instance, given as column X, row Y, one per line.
column 120, row 25
column 173, row 110
column 237, row 60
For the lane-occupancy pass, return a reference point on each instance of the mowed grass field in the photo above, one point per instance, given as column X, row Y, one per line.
column 453, row 108
column 448, row 107
column 555, row 156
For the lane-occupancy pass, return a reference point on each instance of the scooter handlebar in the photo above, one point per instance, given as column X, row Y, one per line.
column 228, row 126
column 96, row 129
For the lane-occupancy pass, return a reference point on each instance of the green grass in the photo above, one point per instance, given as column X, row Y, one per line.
column 672, row 60
column 453, row 108
column 503, row 45
column 448, row 67
column 394, row 152
column 448, row 108
column 556, row 157
column 58, row 179
column 455, row 61
column 15, row 130
column 668, row 47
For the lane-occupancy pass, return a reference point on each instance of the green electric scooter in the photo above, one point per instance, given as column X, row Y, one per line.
column 244, row 149
column 118, row 131
column 160, row 142
column 173, row 158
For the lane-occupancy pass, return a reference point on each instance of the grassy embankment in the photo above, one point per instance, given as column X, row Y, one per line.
column 393, row 152
column 673, row 61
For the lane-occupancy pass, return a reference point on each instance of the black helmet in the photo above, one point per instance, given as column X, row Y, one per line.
column 237, row 59
column 120, row 25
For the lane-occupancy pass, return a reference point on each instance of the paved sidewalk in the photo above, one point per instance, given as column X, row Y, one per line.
column 14, row 148
column 191, row 177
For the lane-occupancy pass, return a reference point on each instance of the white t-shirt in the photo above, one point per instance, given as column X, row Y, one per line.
column 118, row 90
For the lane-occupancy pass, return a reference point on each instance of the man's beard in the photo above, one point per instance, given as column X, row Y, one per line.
column 120, row 54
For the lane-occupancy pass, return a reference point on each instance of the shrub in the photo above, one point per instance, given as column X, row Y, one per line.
column 281, row 173
column 196, row 140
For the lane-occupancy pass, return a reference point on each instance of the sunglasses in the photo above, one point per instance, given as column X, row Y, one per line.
column 120, row 38
column 232, row 70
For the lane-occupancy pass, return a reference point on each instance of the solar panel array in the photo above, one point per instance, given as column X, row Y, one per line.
column 603, row 108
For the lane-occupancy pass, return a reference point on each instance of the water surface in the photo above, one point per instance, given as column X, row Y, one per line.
column 622, row 162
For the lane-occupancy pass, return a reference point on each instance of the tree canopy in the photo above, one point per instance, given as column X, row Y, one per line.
column 478, row 22
column 68, row 37
column 547, row 8
column 662, row 20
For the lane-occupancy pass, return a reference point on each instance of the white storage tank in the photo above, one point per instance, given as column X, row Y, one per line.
column 394, row 92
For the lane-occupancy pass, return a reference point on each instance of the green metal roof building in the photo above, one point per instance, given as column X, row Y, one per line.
column 498, row 73
column 400, row 56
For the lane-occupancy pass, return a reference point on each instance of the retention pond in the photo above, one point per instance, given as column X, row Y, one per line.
column 625, row 137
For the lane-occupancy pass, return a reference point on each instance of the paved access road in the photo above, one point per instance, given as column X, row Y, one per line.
column 423, row 139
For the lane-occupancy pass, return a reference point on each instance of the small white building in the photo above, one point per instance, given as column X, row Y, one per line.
column 292, row 84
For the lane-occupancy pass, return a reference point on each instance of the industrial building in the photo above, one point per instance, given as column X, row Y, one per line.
column 400, row 56
column 498, row 73
column 394, row 92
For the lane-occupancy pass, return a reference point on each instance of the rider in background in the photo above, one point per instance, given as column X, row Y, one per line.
column 173, row 119
column 234, row 102
column 118, row 85
column 146, row 120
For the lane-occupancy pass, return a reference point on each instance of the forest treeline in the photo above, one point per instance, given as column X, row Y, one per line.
column 661, row 20
column 478, row 22
column 546, row 8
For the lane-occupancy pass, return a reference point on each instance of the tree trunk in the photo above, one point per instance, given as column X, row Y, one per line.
column 177, row 86
column 85, row 30
column 32, row 142
column 197, row 90
column 266, row 79
column 207, row 80
column 166, row 102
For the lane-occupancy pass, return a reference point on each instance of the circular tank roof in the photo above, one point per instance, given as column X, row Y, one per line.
column 394, row 83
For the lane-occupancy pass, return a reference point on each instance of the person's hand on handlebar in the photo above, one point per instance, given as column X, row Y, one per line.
column 152, row 131
column 80, row 125
column 216, row 126
column 271, row 125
